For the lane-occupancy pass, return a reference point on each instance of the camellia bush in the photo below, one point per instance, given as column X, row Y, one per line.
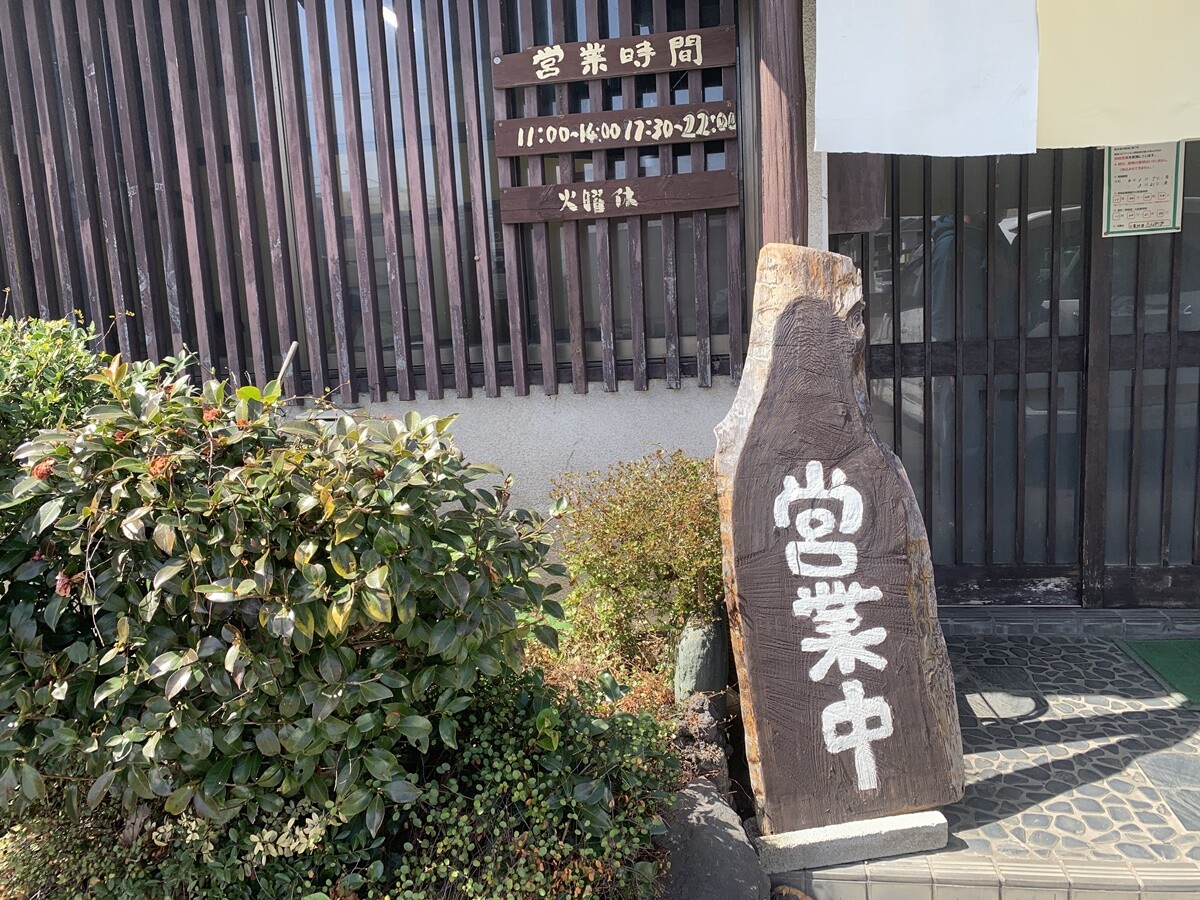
column 224, row 611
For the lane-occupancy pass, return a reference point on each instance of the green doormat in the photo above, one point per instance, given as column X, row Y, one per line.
column 1174, row 663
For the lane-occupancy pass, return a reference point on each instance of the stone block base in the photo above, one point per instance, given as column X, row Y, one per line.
column 851, row 842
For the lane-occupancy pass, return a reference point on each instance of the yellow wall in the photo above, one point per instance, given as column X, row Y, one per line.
column 1118, row 72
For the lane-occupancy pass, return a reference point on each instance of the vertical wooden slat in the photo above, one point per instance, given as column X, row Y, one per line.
column 418, row 199
column 109, row 189
column 159, row 128
column 447, row 186
column 1097, row 297
column 321, row 73
column 1056, row 194
column 700, row 230
column 139, row 181
column 12, row 214
column 604, row 281
column 498, row 37
column 53, row 161
column 670, row 267
column 1141, row 279
column 897, row 381
column 360, row 201
column 637, row 283
column 209, row 95
column 960, row 328
column 783, row 129
column 989, row 441
column 300, row 186
column 274, row 200
column 389, row 198
column 1174, row 301
column 229, row 44
column 481, row 223
column 1022, row 240
column 539, row 234
column 16, row 64
column 927, row 334
column 733, row 222
column 175, row 45
column 83, row 170
column 572, row 280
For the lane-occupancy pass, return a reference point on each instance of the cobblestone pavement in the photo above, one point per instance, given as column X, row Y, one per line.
column 1073, row 751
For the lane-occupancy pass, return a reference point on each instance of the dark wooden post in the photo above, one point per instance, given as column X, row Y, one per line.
column 847, row 694
column 1098, row 295
column 783, row 127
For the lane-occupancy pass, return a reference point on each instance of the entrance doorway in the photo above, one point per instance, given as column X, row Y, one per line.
column 1039, row 382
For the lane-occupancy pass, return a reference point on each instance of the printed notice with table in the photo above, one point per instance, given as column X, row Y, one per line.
column 1143, row 189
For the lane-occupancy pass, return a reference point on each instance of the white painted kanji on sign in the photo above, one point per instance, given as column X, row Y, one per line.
column 834, row 610
column 856, row 721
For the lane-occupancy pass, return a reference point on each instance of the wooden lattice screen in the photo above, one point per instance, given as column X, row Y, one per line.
column 633, row 69
column 235, row 175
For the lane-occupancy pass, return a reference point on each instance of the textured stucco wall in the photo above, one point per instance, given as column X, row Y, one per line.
column 537, row 437
column 818, row 184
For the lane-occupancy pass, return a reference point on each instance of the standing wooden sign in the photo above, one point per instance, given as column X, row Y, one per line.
column 847, row 693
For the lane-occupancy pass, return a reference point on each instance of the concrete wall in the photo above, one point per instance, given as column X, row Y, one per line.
column 537, row 437
column 818, row 183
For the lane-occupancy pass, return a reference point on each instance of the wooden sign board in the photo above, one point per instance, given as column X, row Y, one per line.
column 847, row 693
column 617, row 128
column 672, row 51
column 617, row 198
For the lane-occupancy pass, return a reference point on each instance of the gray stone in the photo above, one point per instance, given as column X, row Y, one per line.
column 709, row 852
column 702, row 658
column 831, row 845
column 700, row 740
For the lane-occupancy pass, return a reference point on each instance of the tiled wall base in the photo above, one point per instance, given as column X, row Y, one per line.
column 1015, row 621
column 964, row 876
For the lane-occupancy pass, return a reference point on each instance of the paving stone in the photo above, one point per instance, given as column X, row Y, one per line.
column 1133, row 851
column 1043, row 838
column 1172, row 769
column 1186, row 806
column 1069, row 824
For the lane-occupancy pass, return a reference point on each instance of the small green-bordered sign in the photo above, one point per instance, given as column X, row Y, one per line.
column 1143, row 189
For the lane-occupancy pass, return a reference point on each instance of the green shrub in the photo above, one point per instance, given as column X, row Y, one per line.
column 43, row 370
column 547, row 797
column 281, row 856
column 643, row 542
column 226, row 611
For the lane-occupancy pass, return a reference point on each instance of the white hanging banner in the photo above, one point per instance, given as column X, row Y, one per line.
column 930, row 77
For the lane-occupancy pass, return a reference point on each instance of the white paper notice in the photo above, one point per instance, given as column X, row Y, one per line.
column 1143, row 189
column 931, row 77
